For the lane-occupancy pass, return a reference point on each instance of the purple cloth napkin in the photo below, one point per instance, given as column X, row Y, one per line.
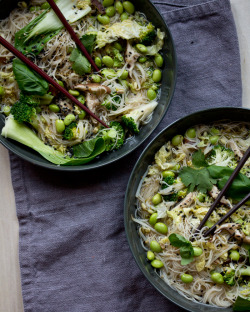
column 73, row 250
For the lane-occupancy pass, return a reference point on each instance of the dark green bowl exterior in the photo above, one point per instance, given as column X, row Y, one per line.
column 146, row 158
column 167, row 90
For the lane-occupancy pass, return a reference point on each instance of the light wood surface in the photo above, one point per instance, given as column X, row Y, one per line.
column 10, row 284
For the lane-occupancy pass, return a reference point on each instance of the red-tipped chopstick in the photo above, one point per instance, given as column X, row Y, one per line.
column 23, row 58
column 225, row 188
column 72, row 33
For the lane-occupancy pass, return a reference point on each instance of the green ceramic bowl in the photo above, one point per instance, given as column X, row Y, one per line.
column 167, row 90
column 146, row 158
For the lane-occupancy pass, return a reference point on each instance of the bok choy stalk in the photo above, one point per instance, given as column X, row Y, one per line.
column 24, row 135
column 32, row 38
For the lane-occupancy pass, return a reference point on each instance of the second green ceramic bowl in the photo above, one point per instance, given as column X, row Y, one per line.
column 146, row 158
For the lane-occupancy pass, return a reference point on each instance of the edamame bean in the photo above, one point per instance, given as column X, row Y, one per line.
column 119, row 7
column 157, row 264
column 156, row 75
column 168, row 173
column 176, row 140
column 141, row 48
column 103, row 19
column 60, row 126
column 215, row 131
column 197, row 251
column 45, row 6
column 124, row 75
column 155, row 246
column 81, row 99
column 60, row 83
column 118, row 46
column 161, row 227
column 96, row 78
column 151, row 94
column 6, row 110
column 34, row 8
column 150, row 255
column 214, row 139
column 157, row 199
column 107, row 3
column 142, row 59
column 108, row 61
column 217, row 278
column 74, row 92
column 68, row 119
column 129, row 7
column 191, row 133
column 54, row 108
column 2, row 91
column 234, row 255
column 153, row 218
column 98, row 62
column 209, row 224
column 124, row 16
column 187, row 278
column 82, row 115
column 158, row 60
column 110, row 11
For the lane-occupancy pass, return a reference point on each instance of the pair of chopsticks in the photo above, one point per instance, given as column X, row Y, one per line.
column 23, row 58
column 221, row 194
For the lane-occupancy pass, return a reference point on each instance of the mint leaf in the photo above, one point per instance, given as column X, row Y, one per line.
column 186, row 248
column 198, row 159
column 197, row 178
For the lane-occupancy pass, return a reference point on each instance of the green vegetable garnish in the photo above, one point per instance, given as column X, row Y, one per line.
column 185, row 246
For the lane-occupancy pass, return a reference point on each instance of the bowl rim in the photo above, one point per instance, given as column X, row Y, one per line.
column 142, row 268
column 92, row 165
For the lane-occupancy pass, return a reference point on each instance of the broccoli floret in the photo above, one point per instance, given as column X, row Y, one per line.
column 168, row 181
column 113, row 137
column 70, row 131
column 222, row 156
column 148, row 36
column 111, row 102
column 229, row 277
column 171, row 197
column 133, row 119
column 24, row 109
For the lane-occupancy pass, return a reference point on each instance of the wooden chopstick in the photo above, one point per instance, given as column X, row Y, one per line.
column 227, row 215
column 225, row 188
column 23, row 58
column 72, row 33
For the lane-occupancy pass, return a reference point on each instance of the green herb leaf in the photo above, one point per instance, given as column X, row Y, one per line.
column 186, row 248
column 89, row 148
column 199, row 178
column 80, row 63
column 198, row 159
column 241, row 304
column 28, row 80
column 240, row 186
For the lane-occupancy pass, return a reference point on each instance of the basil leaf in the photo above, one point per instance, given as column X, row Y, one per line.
column 187, row 252
column 177, row 240
column 185, row 261
column 28, row 80
column 241, row 304
column 240, row 186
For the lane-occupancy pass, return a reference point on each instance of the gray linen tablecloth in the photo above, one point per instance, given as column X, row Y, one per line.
column 73, row 251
